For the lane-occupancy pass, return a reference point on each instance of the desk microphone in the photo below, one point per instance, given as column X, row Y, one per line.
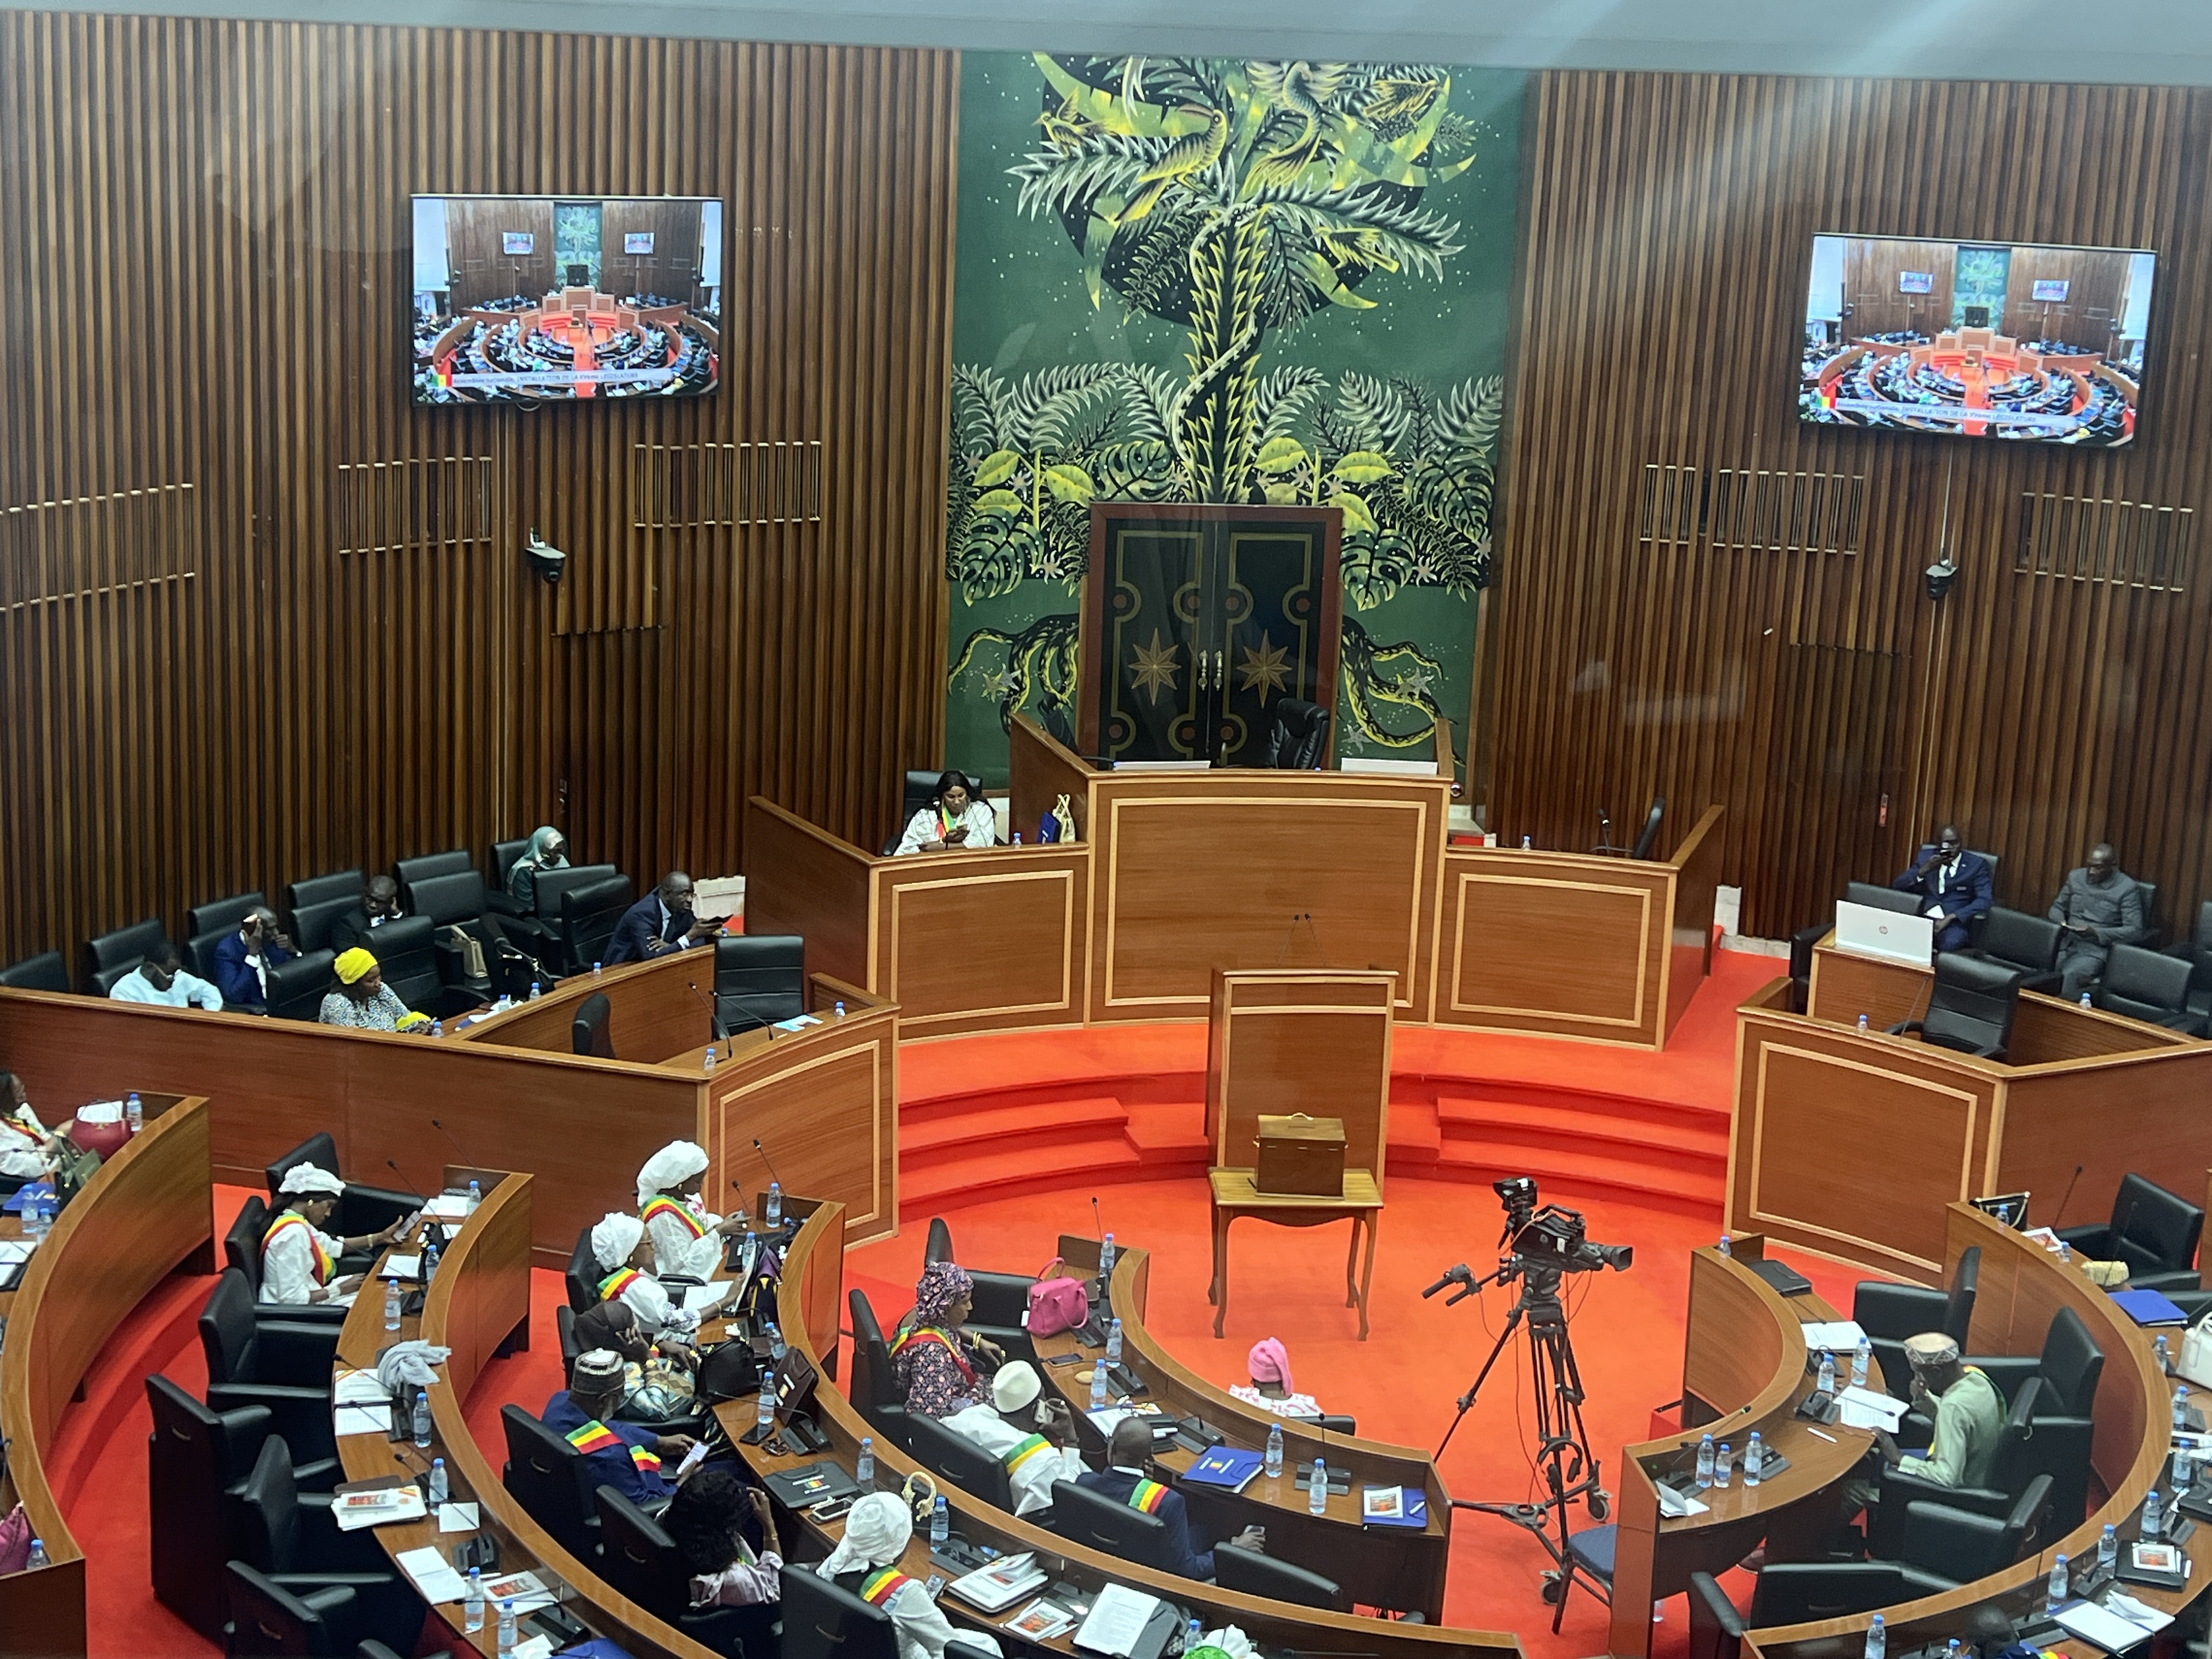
column 763, row 1151
column 467, row 1162
column 1097, row 1220
column 713, row 1014
column 2060, row 1209
column 406, row 1186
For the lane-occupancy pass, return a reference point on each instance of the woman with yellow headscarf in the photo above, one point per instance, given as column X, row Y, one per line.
column 364, row 1001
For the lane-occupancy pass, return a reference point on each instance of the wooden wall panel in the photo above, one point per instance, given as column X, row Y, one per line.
column 208, row 272
column 1660, row 304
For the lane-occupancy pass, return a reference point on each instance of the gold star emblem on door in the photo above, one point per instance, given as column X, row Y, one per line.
column 1267, row 666
column 1153, row 668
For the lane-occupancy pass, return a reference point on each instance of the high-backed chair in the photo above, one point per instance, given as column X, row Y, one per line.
column 2151, row 1229
column 1000, row 1310
column 872, row 1387
column 295, row 989
column 284, row 1364
column 111, row 956
column 1889, row 1312
column 2196, row 949
column 1970, row 1007
column 921, row 789
column 311, row 923
column 2070, row 1367
column 2149, row 891
column 2012, row 1466
column 1944, row 1547
column 1300, row 736
column 759, row 979
column 455, row 900
column 552, row 884
column 406, row 952
column 271, row 1619
column 1648, row 837
column 361, row 1208
column 952, row 1455
column 1084, row 1516
column 299, row 1546
column 426, row 865
column 2148, row 986
column 199, row 950
column 1236, row 1568
column 583, row 1273
column 220, row 915
column 587, row 1032
column 499, row 862
column 2025, row 945
column 822, row 1619
column 589, row 912
column 552, row 1482
column 640, row 1559
column 1716, row 1627
column 45, row 972
column 321, row 890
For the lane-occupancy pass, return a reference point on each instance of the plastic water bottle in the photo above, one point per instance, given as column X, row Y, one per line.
column 1754, row 1457
column 1862, row 1024
column 391, row 1304
column 765, row 1418
column 2165, row 1362
column 473, row 1602
column 422, row 1417
column 1827, row 1377
column 775, row 1344
column 595, row 968
column 840, row 1011
column 864, row 1467
column 1725, row 1248
column 441, row 1489
column 1193, row 1634
column 476, row 1197
column 940, row 1522
column 1954, row 1648
column 710, row 1058
column 2065, row 1253
column 1722, row 1460
column 1317, row 1491
column 2154, row 1515
column 506, row 1627
column 2108, row 1549
column 1106, row 1256
column 1114, row 1343
column 38, row 1557
column 429, row 1260
column 1877, row 1642
column 35, row 1218
column 1274, row 1461
column 1862, row 1357
column 437, row 1028
column 1098, row 1386
column 773, row 1211
column 2085, row 1000
column 536, row 990
column 1704, row 1462
column 2055, row 1592
column 134, row 1113
column 2181, row 1408
column 1526, row 843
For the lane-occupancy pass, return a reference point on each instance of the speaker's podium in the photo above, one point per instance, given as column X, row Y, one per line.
column 1288, row 1043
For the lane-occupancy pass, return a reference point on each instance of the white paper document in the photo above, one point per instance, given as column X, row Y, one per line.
column 537, row 1647
column 448, row 1206
column 432, row 1574
column 359, row 1388
column 1117, row 1621
column 524, row 1589
column 1863, row 1408
column 401, row 1267
column 2109, row 1630
column 458, row 1517
column 697, row 1297
column 361, row 1419
column 17, row 1249
column 1839, row 1337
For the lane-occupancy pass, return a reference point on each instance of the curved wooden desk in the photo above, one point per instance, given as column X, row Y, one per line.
column 147, row 1213
column 1305, row 1631
column 1396, row 1568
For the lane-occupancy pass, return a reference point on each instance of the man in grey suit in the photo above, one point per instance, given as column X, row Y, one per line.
column 2100, row 906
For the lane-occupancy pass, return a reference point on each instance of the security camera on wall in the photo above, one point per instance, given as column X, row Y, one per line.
column 547, row 560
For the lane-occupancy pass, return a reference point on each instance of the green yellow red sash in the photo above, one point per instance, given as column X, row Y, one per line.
column 1031, row 1449
column 1148, row 1496
column 322, row 1259
column 617, row 1282
column 923, row 1334
column 663, row 1204
column 593, row 1435
column 879, row 1586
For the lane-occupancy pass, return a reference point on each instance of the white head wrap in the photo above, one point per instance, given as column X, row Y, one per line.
column 614, row 1238
column 307, row 1178
column 877, row 1530
column 679, row 1160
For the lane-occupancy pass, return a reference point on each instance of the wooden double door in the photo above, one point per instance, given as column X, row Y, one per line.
column 1199, row 621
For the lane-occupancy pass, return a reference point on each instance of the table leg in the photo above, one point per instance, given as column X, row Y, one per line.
column 1351, row 1265
column 1367, row 1269
column 1220, row 1269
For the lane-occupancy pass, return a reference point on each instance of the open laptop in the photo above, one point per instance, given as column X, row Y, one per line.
column 1865, row 930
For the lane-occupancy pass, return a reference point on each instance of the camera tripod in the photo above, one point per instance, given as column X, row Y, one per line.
column 1570, row 1472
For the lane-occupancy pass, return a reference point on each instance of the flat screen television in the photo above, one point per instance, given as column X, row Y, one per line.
column 531, row 299
column 2019, row 341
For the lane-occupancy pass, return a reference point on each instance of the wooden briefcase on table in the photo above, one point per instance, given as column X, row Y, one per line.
column 1300, row 1156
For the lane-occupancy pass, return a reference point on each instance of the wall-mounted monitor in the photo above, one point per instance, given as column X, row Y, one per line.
column 531, row 299
column 2020, row 340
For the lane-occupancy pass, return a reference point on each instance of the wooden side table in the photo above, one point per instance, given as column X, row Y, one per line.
column 1234, row 1195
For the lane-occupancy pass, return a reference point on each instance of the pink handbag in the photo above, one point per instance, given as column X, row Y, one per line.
column 1057, row 1304
column 15, row 1540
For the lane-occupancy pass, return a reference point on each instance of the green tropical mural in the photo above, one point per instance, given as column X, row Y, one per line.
column 1222, row 279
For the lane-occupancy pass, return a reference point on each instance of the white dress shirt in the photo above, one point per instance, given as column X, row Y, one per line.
column 184, row 990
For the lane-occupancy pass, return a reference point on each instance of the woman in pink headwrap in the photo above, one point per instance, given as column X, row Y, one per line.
column 938, row 1364
column 1269, row 1364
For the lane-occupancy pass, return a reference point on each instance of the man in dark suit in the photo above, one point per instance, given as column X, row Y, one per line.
column 243, row 960
column 1128, row 1453
column 660, row 922
column 1953, row 886
column 380, row 903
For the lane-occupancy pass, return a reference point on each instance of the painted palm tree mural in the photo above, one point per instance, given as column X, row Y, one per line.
column 1251, row 206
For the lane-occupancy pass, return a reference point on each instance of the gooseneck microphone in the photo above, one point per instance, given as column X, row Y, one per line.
column 763, row 1151
column 1097, row 1220
column 2055, row 1214
column 466, row 1161
column 713, row 1014
column 405, row 1185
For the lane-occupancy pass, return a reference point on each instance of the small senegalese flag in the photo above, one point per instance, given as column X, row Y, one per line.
column 647, row 1462
column 879, row 1586
column 1148, row 1496
column 593, row 1435
column 1028, row 1452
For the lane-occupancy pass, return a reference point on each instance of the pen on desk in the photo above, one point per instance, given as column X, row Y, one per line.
column 1830, row 1438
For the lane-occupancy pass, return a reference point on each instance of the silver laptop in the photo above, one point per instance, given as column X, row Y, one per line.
column 1865, row 930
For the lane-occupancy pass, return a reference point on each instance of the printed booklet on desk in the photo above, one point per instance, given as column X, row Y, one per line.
column 1394, row 1506
column 1225, row 1466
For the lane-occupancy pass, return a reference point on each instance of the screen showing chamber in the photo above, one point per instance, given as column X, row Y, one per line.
column 2005, row 340
column 523, row 299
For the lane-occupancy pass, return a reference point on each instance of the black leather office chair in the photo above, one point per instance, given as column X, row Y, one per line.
column 111, row 956
column 552, row 884
column 407, row 952
column 2070, row 1368
column 2196, row 949
column 640, row 1559
column 1970, row 1007
column 1084, row 1516
column 1880, row 897
column 199, row 950
column 321, row 890
column 1944, row 1547
column 1716, row 1627
column 2154, row 1231
column 1236, row 1568
column 267, row 1619
column 1889, row 1312
column 221, row 915
column 921, row 789
column 551, row 1479
column 2149, row 891
column 2012, row 1466
column 295, row 989
column 298, row 1545
column 361, row 1208
column 759, row 979
column 1299, row 738
column 311, row 923
column 590, row 913
column 872, row 1387
column 1648, row 837
column 2025, row 945
column 822, row 1619
column 456, row 900
column 583, row 1274
column 426, row 865
column 999, row 1309
column 950, row 1455
column 284, row 1365
column 587, row 1032
column 499, row 862
column 2145, row 985
column 45, row 972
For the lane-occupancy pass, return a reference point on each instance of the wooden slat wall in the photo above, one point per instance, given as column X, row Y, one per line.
column 207, row 270
column 1661, row 294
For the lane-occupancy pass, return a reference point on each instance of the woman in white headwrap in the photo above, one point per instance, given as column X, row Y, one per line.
column 298, row 1258
column 625, row 1256
column 28, row 1147
column 687, row 1237
column 877, row 1532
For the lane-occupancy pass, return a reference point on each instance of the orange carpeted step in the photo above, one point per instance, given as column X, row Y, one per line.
column 1166, row 1133
column 1416, row 1136
column 1093, row 1156
column 929, row 1137
column 1572, row 1171
column 1573, row 1118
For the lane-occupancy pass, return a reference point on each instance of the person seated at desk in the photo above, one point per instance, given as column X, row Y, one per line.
column 298, row 1258
column 877, row 1532
column 726, row 1531
column 935, row 1361
column 28, row 1148
column 1128, row 1453
column 380, row 903
column 636, row 1463
column 243, row 959
column 1968, row 1412
column 1269, row 1365
column 625, row 1256
column 364, row 1001
column 1027, row 1438
column 660, row 1379
column 160, row 982
column 1953, row 886
column 952, row 820
column 688, row 1238
column 660, row 922
column 548, row 850
column 2100, row 906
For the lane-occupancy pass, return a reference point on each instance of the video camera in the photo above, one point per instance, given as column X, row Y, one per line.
column 1553, row 1235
